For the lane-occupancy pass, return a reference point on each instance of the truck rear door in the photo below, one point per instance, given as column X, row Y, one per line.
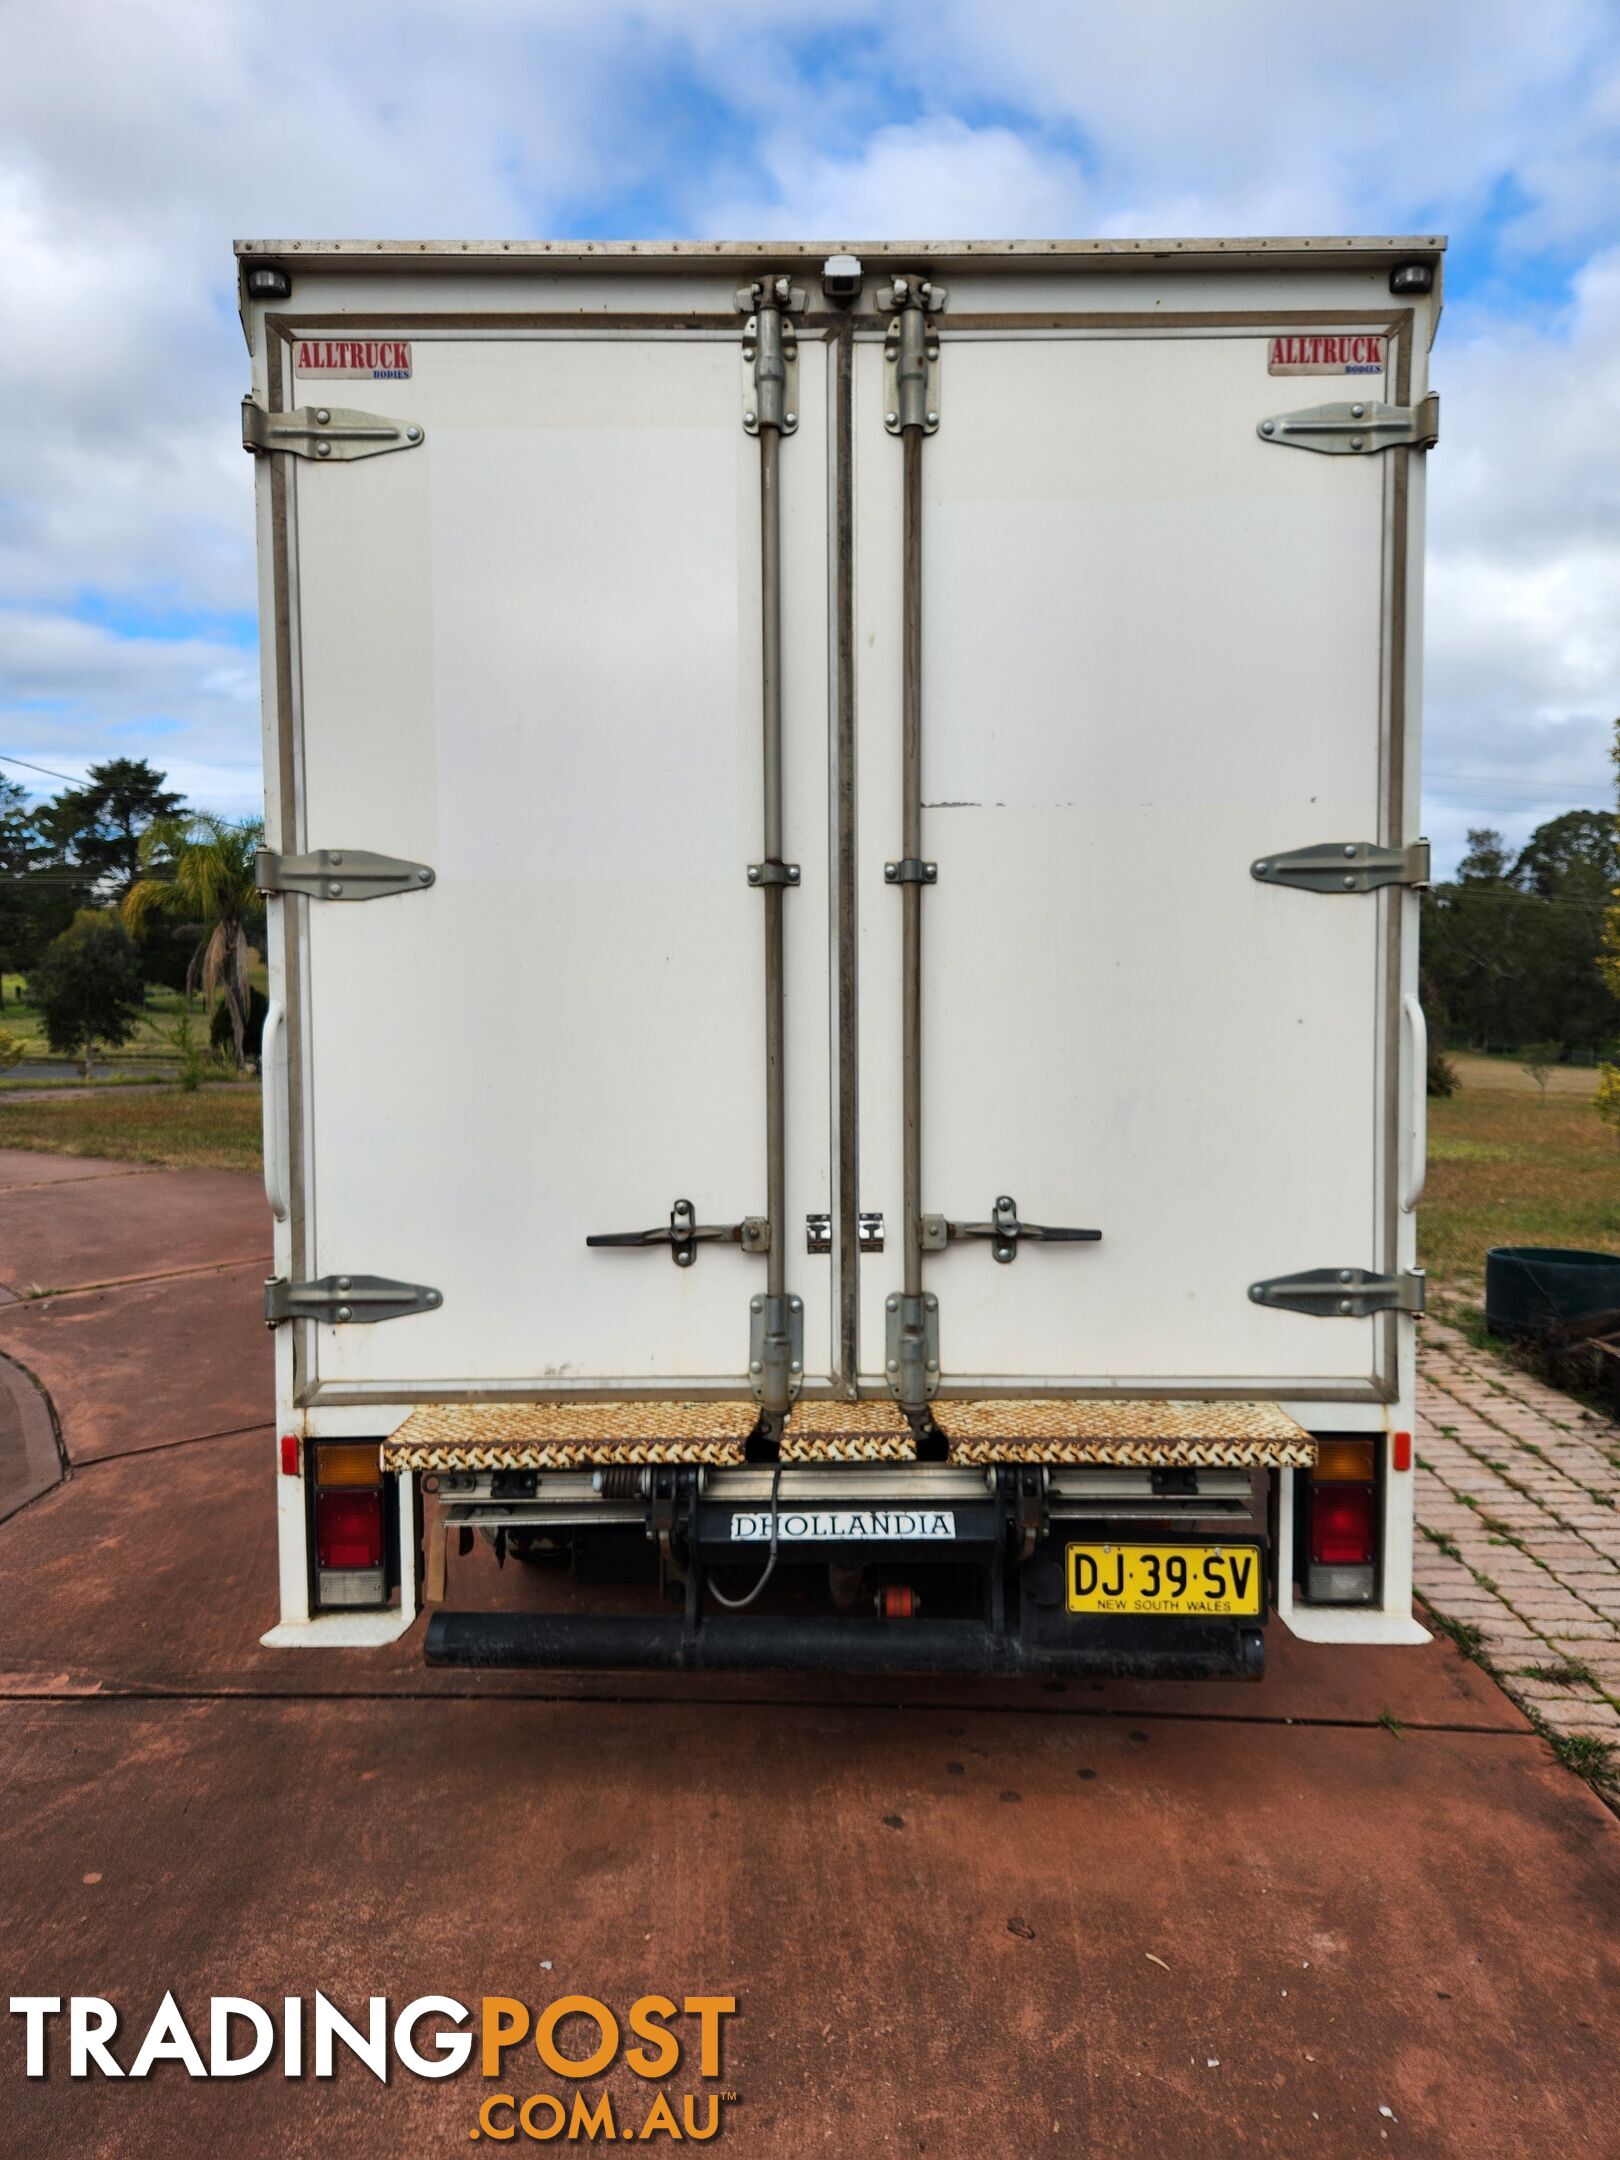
column 1150, row 647
column 529, row 659
column 1157, row 648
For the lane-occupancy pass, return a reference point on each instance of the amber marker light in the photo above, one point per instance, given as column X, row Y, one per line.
column 349, row 1465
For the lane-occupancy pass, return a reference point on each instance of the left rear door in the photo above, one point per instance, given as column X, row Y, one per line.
column 528, row 655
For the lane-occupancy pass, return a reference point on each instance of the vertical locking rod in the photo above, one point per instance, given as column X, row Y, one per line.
column 776, row 1383
column 770, row 555
column 911, row 848
column 912, row 1340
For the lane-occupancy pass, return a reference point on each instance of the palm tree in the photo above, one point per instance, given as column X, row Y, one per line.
column 202, row 869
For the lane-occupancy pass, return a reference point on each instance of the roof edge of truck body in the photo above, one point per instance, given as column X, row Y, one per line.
column 637, row 253
column 944, row 257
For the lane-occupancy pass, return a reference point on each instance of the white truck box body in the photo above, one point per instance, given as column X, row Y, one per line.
column 1158, row 647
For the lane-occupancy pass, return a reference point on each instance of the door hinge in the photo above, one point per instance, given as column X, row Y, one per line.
column 775, row 1348
column 343, row 1300
column 1004, row 1231
column 1357, row 429
column 1354, row 866
column 911, row 355
column 770, row 354
column 340, row 874
column 683, row 1234
column 911, row 1348
column 1343, row 1293
column 325, row 431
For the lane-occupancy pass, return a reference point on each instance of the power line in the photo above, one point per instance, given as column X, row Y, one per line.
column 72, row 779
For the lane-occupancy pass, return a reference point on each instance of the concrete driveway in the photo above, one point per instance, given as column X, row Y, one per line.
column 1358, row 1909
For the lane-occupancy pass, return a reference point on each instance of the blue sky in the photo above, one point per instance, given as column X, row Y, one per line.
column 136, row 141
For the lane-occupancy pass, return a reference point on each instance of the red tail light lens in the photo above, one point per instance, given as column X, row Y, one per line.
column 1341, row 1525
column 349, row 1529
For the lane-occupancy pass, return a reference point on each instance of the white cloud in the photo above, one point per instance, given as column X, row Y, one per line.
column 933, row 178
column 189, row 703
column 1264, row 116
column 1524, row 566
column 135, row 141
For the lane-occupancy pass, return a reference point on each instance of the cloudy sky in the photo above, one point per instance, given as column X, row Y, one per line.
column 139, row 137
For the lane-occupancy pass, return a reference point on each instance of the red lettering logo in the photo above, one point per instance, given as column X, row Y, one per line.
column 352, row 356
column 1326, row 353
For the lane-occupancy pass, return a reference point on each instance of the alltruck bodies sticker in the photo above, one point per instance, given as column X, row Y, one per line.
column 1328, row 352
column 369, row 359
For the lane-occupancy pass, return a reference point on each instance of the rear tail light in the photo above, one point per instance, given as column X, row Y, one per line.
column 348, row 1530
column 350, row 1526
column 1341, row 1524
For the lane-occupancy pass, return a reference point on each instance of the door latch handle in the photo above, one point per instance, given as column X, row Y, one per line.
column 1004, row 1229
column 684, row 1233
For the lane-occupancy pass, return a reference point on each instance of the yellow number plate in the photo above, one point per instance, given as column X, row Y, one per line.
column 1180, row 1580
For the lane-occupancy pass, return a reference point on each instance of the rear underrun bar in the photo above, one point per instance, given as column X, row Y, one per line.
column 1177, row 1650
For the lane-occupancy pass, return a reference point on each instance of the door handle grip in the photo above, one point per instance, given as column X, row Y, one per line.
column 272, row 1044
column 1417, row 1159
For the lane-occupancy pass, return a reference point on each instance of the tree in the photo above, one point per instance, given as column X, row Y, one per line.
column 87, row 985
column 1440, row 1077
column 1609, row 949
column 203, row 869
column 1606, row 1102
column 1510, row 943
column 35, row 905
column 1538, row 1060
column 1578, row 853
column 97, row 826
column 1487, row 861
column 219, row 1028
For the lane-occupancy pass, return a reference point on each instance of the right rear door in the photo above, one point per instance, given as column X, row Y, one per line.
column 1153, row 651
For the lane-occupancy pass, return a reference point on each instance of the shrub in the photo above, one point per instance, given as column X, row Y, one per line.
column 87, row 986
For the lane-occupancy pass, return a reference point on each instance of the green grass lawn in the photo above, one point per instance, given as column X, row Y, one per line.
column 1506, row 1168
column 217, row 1128
column 152, row 1030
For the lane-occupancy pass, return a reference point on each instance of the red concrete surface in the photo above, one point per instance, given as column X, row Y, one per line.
column 19, row 1167
column 60, row 1234
column 146, row 1364
column 959, row 1918
column 935, row 1947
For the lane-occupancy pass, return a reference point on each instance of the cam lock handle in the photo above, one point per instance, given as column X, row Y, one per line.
column 683, row 1234
column 1004, row 1229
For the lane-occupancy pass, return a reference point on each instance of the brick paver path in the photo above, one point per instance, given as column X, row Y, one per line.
column 1519, row 1530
